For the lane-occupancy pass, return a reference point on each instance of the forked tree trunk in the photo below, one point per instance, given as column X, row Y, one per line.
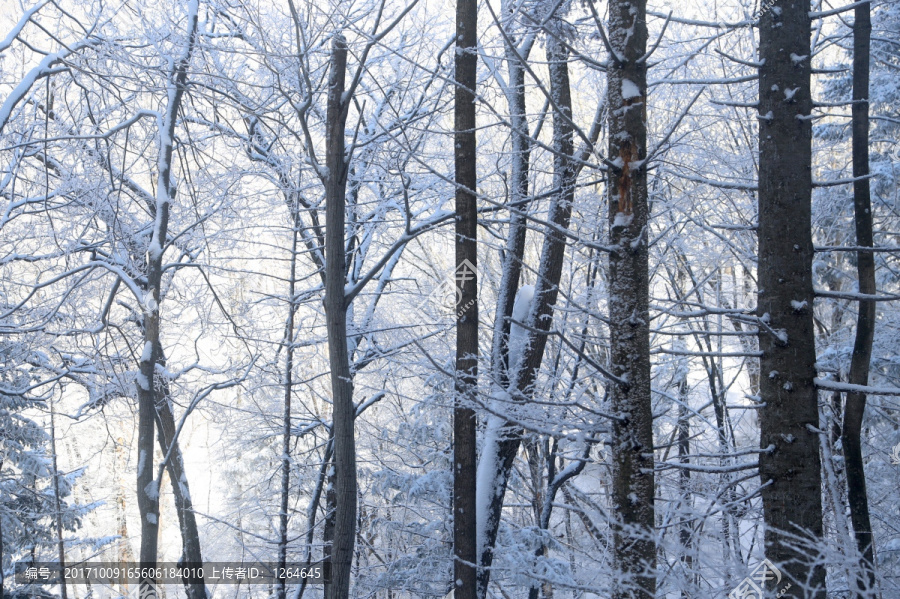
column 147, row 486
column 855, row 407
column 336, row 316
column 522, row 375
column 791, row 477
column 464, row 422
column 195, row 588
column 520, row 154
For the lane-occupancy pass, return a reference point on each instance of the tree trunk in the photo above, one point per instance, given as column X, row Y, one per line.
column 522, row 375
column 286, row 424
column 685, row 528
column 464, row 422
column 518, row 193
column 512, row 260
column 336, row 315
column 57, row 501
column 634, row 545
column 323, row 481
column 791, row 474
column 855, row 407
column 195, row 588
column 147, row 487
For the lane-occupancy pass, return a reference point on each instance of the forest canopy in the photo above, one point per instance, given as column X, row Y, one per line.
column 472, row 299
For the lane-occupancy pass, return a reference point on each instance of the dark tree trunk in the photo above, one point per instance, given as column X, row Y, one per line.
column 57, row 500
column 685, row 529
column 286, row 420
column 464, row 422
column 791, row 477
column 634, row 545
column 147, row 487
column 324, row 480
column 336, row 315
column 855, row 407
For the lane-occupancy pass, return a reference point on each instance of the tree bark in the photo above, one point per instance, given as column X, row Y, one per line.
column 634, row 545
column 57, row 501
column 522, row 376
column 685, row 528
column 286, row 424
column 855, row 407
column 195, row 588
column 791, row 474
column 147, row 487
column 336, row 315
column 520, row 144
column 464, row 422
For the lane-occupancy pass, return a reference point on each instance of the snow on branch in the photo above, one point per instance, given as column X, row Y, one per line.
column 854, row 248
column 714, row 183
column 851, row 388
column 850, row 295
column 836, row 11
column 842, row 181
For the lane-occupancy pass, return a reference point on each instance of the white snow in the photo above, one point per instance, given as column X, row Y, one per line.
column 485, row 478
column 622, row 219
column 142, row 381
column 148, row 352
column 790, row 93
column 150, row 304
column 630, row 90
column 798, row 59
column 836, row 386
column 154, row 251
column 518, row 335
column 797, row 306
column 185, row 491
column 151, row 518
column 152, row 490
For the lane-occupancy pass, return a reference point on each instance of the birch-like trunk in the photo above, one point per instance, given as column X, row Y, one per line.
column 791, row 474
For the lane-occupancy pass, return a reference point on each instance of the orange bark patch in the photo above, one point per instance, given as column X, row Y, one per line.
column 628, row 155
